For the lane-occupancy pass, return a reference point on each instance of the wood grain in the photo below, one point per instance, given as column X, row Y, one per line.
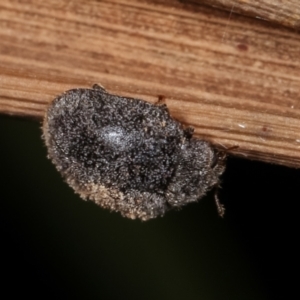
column 284, row 12
column 236, row 80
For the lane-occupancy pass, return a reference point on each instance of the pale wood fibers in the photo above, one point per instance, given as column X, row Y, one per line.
column 236, row 80
column 284, row 12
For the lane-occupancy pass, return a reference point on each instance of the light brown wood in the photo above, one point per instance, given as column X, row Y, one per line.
column 236, row 80
column 284, row 12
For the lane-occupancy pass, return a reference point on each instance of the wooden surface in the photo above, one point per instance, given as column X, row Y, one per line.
column 235, row 79
column 284, row 12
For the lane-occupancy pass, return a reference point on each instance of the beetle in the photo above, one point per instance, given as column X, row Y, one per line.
column 128, row 155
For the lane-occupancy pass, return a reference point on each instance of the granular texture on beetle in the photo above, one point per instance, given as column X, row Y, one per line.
column 127, row 155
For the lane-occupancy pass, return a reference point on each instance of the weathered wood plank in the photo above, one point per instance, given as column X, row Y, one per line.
column 236, row 80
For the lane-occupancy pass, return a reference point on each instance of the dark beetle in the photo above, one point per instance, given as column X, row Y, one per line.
column 128, row 155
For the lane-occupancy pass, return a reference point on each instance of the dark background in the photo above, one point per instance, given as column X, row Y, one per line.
column 56, row 246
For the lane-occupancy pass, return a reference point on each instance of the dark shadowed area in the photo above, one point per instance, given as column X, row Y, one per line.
column 56, row 246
